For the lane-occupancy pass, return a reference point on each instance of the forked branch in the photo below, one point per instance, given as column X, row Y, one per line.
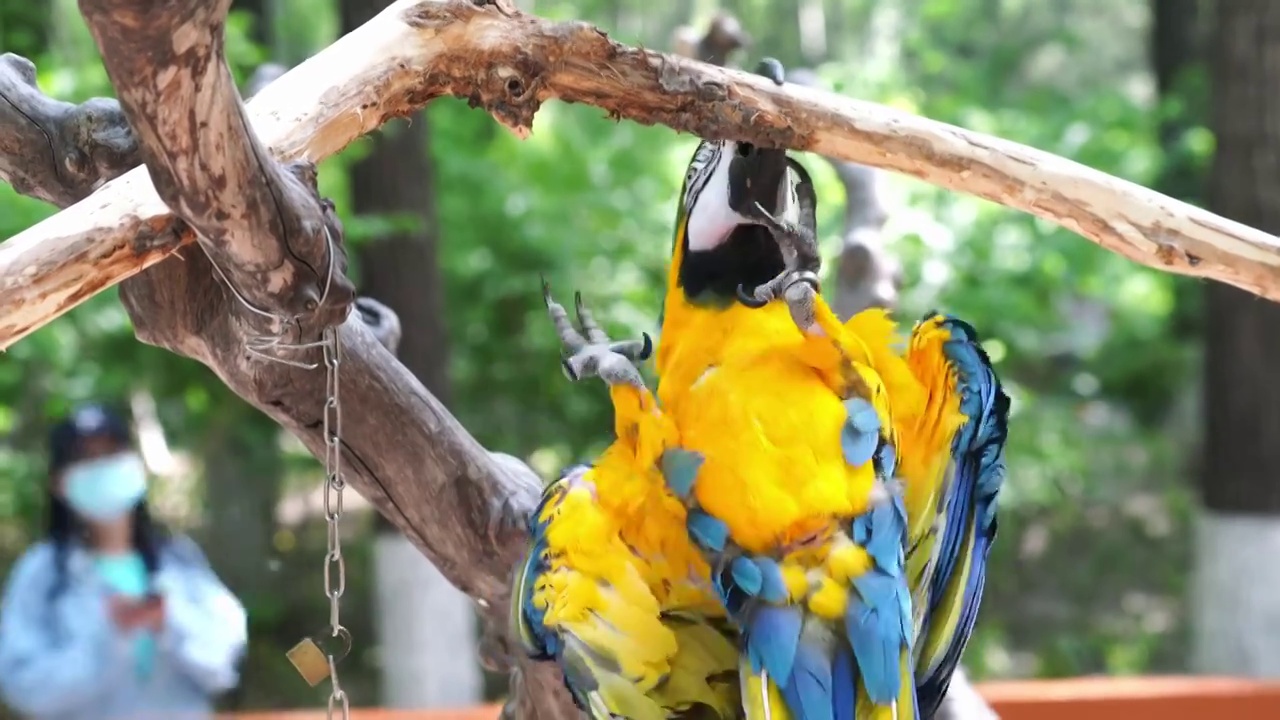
column 273, row 240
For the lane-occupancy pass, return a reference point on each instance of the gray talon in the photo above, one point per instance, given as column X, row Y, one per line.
column 798, row 283
column 590, row 351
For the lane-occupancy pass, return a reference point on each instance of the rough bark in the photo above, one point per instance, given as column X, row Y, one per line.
column 1234, row 596
column 260, row 222
column 509, row 63
column 461, row 506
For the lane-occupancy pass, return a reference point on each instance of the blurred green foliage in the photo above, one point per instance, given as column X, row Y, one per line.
column 1090, row 569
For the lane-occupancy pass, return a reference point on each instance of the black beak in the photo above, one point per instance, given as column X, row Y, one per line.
column 755, row 176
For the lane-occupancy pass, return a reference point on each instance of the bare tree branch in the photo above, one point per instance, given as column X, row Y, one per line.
column 53, row 150
column 466, row 509
column 260, row 222
column 509, row 63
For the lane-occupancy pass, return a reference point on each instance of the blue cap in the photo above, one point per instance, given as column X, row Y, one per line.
column 92, row 420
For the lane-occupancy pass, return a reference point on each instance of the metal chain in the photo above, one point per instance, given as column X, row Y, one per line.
column 266, row 347
column 333, row 486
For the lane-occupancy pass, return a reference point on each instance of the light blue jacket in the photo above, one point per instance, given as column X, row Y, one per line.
column 66, row 660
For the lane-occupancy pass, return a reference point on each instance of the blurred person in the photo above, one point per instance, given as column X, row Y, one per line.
column 110, row 616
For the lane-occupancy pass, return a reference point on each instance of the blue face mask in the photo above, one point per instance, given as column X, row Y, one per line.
column 104, row 489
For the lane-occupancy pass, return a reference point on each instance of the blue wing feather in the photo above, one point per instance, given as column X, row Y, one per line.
column 811, row 683
column 878, row 621
column 979, row 471
column 772, row 636
column 844, row 680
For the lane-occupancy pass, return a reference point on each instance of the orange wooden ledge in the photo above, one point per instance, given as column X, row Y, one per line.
column 1094, row 698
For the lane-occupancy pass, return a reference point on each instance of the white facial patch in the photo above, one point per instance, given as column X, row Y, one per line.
column 710, row 219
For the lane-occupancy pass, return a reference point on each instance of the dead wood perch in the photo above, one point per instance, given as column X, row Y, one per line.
column 274, row 240
column 509, row 63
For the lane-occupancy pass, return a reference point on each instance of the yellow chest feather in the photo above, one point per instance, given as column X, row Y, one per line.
column 767, row 424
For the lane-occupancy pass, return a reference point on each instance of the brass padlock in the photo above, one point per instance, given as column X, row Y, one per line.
column 310, row 661
column 311, row 656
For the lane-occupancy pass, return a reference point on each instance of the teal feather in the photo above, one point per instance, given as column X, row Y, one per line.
column 680, row 470
column 979, row 471
column 709, row 532
column 747, row 575
column 861, row 433
column 844, row 684
column 811, row 684
column 773, row 588
column 878, row 621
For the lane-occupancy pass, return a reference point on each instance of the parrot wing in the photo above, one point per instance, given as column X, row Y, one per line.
column 580, row 600
column 951, row 557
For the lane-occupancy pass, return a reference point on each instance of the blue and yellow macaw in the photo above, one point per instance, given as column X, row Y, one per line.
column 839, row 495
column 931, row 422
column 788, row 448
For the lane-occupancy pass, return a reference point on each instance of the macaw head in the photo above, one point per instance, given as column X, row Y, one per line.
column 718, row 244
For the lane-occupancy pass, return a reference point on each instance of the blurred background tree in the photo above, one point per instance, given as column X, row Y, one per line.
column 452, row 219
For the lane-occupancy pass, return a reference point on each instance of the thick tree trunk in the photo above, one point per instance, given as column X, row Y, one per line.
column 243, row 467
column 426, row 627
column 1237, row 586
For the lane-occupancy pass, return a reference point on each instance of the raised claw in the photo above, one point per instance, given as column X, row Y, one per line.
column 590, row 352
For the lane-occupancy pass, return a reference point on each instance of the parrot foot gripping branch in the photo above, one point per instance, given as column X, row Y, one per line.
column 798, row 283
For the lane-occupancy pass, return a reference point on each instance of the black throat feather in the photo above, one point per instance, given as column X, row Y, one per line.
column 750, row 257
